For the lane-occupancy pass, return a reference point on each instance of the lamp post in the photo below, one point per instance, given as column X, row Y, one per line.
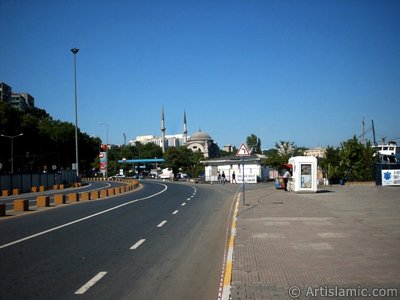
column 75, row 51
column 105, row 124
column 12, row 148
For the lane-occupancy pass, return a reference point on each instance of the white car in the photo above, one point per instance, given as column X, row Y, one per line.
column 166, row 174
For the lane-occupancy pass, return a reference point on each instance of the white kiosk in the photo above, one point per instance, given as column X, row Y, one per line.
column 304, row 176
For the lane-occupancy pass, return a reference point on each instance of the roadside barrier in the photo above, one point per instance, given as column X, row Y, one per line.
column 84, row 196
column 42, row 201
column 94, row 195
column 73, row 197
column 21, row 205
column 59, row 199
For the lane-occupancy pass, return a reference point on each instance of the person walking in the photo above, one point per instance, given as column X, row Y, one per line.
column 223, row 177
column 234, row 177
column 286, row 177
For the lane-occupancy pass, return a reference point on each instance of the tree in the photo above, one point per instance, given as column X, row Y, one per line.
column 357, row 160
column 183, row 159
column 330, row 165
column 253, row 142
column 284, row 150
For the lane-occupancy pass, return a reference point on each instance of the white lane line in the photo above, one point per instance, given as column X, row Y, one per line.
column 82, row 219
column 137, row 244
column 183, row 204
column 192, row 196
column 175, row 212
column 90, row 283
column 162, row 224
column 188, row 199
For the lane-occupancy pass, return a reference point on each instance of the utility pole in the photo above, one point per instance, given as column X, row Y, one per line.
column 363, row 132
column 373, row 132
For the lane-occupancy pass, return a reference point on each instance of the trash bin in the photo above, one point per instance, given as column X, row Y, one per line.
column 341, row 181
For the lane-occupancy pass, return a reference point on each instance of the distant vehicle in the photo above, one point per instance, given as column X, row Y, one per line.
column 118, row 176
column 166, row 174
column 137, row 176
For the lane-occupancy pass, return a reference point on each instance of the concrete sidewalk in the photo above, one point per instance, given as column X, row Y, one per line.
column 340, row 242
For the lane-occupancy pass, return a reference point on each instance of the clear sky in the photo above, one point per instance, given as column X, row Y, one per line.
column 300, row 71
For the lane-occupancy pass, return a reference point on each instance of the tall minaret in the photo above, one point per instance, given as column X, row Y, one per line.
column 185, row 127
column 162, row 130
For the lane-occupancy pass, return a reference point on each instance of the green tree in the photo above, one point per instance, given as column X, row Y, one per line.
column 183, row 159
column 330, row 165
column 357, row 160
column 253, row 142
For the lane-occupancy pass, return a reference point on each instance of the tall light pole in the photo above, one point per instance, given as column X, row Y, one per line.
column 105, row 124
column 12, row 148
column 75, row 51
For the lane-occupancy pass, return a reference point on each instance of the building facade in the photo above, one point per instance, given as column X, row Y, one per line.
column 22, row 101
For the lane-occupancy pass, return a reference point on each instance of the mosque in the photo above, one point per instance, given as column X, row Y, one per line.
column 199, row 141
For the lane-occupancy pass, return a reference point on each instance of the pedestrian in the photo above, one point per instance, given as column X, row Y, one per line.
column 286, row 177
column 219, row 178
column 223, row 177
column 234, row 177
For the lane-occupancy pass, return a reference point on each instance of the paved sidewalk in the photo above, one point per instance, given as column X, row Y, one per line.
column 340, row 242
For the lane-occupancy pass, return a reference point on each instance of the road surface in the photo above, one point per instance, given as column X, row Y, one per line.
column 163, row 241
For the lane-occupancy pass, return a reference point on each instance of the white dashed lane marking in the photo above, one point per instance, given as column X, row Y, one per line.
column 137, row 244
column 162, row 224
column 175, row 212
column 90, row 283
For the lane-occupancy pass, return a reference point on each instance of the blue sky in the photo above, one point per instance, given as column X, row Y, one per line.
column 301, row 71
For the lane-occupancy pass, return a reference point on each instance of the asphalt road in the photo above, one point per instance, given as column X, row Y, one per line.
column 164, row 241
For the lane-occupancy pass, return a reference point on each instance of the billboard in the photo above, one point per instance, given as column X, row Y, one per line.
column 390, row 177
column 103, row 161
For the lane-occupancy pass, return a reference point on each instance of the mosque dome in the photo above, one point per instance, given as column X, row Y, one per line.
column 200, row 136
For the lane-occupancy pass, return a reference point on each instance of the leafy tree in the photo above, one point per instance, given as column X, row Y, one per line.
column 330, row 165
column 279, row 156
column 253, row 142
column 357, row 160
column 183, row 159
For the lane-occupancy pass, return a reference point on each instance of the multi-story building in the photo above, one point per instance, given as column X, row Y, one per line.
column 22, row 101
column 5, row 92
column 316, row 152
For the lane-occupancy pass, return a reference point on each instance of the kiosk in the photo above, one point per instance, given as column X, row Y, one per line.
column 304, row 176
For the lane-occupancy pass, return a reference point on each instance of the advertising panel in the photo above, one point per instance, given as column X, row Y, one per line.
column 103, row 161
column 390, row 177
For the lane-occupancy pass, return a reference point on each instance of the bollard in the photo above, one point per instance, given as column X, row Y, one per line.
column 21, row 205
column 111, row 192
column 61, row 187
column 94, row 195
column 104, row 193
column 16, row 192
column 42, row 201
column 59, row 199
column 73, row 197
column 34, row 189
column 55, row 187
column 41, row 188
column 84, row 196
column 4, row 193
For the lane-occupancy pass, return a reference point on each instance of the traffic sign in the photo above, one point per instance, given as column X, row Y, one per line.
column 243, row 151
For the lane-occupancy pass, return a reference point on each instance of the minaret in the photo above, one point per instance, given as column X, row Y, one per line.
column 162, row 130
column 185, row 127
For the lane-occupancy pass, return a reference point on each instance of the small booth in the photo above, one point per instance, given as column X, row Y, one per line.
column 304, row 176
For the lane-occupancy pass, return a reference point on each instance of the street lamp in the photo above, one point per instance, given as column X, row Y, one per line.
column 105, row 124
column 12, row 148
column 75, row 51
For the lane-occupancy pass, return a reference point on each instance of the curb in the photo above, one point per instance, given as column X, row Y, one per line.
column 226, row 288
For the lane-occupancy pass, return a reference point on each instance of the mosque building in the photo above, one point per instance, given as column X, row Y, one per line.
column 199, row 141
